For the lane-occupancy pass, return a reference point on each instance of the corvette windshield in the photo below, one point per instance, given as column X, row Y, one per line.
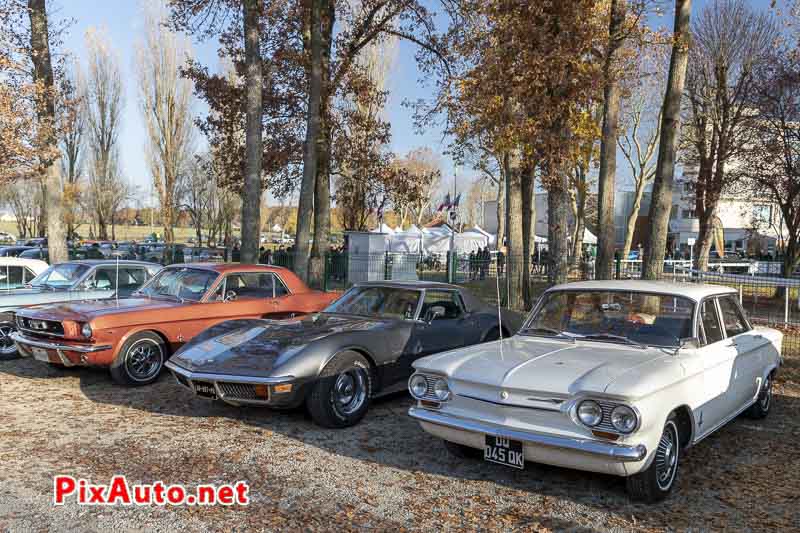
column 61, row 276
column 180, row 283
column 615, row 316
column 380, row 302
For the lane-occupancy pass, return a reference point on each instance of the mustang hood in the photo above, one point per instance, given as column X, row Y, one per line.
column 85, row 310
column 255, row 347
column 555, row 367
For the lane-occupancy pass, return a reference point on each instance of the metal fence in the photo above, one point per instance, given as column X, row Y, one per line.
column 768, row 300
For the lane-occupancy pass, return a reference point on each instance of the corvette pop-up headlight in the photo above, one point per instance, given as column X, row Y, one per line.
column 590, row 413
column 624, row 419
column 418, row 386
column 86, row 331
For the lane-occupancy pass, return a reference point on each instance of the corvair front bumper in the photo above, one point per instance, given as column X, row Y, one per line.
column 28, row 347
column 570, row 452
column 239, row 390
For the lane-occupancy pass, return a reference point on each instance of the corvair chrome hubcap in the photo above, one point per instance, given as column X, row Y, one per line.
column 766, row 395
column 6, row 343
column 667, row 456
column 144, row 360
column 349, row 391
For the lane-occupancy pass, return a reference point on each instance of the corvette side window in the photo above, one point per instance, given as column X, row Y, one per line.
column 450, row 300
column 708, row 315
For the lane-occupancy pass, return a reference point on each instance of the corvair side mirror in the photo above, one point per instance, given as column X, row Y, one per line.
column 437, row 311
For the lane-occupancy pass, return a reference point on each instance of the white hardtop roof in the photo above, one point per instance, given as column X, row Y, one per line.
column 37, row 265
column 693, row 291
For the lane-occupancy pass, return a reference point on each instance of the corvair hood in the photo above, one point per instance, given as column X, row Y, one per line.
column 85, row 310
column 255, row 347
column 556, row 367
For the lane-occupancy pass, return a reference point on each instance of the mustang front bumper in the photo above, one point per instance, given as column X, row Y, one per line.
column 570, row 452
column 28, row 345
column 233, row 389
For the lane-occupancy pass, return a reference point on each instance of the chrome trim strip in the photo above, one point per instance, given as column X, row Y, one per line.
column 553, row 407
column 612, row 452
column 227, row 378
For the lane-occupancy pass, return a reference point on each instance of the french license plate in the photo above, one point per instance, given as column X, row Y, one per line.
column 205, row 389
column 504, row 451
column 40, row 354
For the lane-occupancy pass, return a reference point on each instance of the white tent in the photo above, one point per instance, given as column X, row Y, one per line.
column 384, row 229
column 490, row 238
column 410, row 241
column 398, row 229
column 589, row 237
column 470, row 241
column 277, row 228
column 539, row 239
column 436, row 240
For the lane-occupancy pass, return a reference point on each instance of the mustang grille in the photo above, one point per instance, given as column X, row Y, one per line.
column 40, row 327
column 238, row 391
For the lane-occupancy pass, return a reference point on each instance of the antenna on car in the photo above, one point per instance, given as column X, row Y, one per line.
column 496, row 255
column 116, row 283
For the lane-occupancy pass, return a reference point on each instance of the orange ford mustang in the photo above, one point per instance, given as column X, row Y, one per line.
column 135, row 336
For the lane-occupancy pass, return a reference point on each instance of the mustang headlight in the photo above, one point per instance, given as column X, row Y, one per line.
column 86, row 331
column 441, row 390
column 418, row 386
column 624, row 419
column 590, row 413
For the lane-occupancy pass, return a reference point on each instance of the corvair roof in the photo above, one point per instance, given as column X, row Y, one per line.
column 693, row 291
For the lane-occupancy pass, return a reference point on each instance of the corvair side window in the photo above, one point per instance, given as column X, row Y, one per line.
column 710, row 321
column 732, row 317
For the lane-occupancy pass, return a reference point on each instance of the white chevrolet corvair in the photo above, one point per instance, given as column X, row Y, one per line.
column 605, row 376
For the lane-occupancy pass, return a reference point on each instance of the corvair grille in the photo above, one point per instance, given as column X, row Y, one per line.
column 238, row 391
column 35, row 326
column 605, row 424
column 429, row 395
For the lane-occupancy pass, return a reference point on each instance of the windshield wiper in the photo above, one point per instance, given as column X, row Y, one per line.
column 551, row 332
column 611, row 336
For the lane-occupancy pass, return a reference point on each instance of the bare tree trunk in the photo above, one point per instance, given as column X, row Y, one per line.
column 558, row 230
column 633, row 216
column 312, row 42
column 528, row 225
column 501, row 218
column 514, row 236
column 661, row 204
column 579, row 212
column 608, row 149
column 251, row 197
column 43, row 74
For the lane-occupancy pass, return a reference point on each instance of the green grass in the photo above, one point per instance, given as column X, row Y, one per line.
column 123, row 233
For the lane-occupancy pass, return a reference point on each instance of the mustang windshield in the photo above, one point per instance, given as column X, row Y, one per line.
column 181, row 283
column 615, row 316
column 381, row 302
column 61, row 276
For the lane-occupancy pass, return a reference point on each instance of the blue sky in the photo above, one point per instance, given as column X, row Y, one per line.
column 121, row 20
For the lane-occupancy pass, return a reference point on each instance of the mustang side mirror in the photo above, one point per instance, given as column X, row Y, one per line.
column 691, row 343
column 437, row 311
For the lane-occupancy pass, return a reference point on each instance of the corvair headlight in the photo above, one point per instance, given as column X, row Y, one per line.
column 86, row 331
column 430, row 388
column 624, row 419
column 590, row 413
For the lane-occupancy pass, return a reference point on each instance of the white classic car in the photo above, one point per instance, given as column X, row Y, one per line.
column 605, row 376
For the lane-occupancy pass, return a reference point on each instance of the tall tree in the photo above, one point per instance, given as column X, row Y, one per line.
column 46, row 114
column 606, row 234
column 661, row 203
column 166, row 105
column 72, row 143
column 730, row 40
column 251, row 197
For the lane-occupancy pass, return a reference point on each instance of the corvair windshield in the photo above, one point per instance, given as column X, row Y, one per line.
column 378, row 302
column 629, row 317
column 61, row 276
column 180, row 283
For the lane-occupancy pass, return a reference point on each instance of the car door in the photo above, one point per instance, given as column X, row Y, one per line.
column 749, row 347
column 718, row 357
column 455, row 328
column 12, row 277
column 98, row 284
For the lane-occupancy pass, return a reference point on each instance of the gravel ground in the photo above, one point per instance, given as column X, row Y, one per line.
column 385, row 474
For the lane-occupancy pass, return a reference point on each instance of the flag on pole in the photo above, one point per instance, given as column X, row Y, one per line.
column 445, row 204
column 457, row 201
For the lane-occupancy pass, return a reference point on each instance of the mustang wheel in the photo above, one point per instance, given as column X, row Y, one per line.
column 8, row 348
column 140, row 361
column 655, row 483
column 760, row 409
column 341, row 396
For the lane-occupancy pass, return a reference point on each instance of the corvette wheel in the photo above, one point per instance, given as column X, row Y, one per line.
column 8, row 348
column 761, row 408
column 341, row 396
column 140, row 361
column 656, row 482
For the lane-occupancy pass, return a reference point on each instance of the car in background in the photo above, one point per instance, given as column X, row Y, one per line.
column 16, row 273
column 336, row 361
column 70, row 281
column 7, row 238
column 39, row 242
column 42, row 254
column 615, row 377
column 14, row 251
column 133, row 337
